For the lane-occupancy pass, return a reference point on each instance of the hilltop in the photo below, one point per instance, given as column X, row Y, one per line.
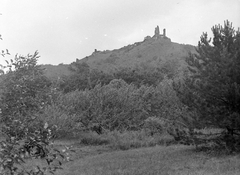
column 157, row 51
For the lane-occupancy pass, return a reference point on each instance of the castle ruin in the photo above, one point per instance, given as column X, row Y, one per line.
column 157, row 34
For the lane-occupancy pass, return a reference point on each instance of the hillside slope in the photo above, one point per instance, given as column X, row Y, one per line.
column 149, row 53
column 55, row 71
column 153, row 52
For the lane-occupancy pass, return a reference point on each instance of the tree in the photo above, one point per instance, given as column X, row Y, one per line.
column 83, row 77
column 140, row 76
column 79, row 79
column 25, row 88
column 212, row 88
column 24, row 92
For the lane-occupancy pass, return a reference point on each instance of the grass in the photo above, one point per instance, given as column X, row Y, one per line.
column 135, row 153
column 171, row 160
column 125, row 140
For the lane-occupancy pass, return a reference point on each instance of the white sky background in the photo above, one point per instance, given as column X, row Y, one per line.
column 63, row 30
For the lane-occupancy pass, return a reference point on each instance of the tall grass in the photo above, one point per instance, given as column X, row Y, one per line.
column 125, row 140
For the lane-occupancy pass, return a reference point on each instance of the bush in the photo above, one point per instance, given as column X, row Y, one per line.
column 92, row 138
column 113, row 106
column 64, row 123
column 136, row 139
column 153, row 125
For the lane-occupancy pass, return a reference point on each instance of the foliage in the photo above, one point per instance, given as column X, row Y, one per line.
column 83, row 77
column 212, row 89
column 115, row 106
column 25, row 91
column 24, row 88
column 4, row 52
column 92, row 138
column 65, row 125
column 140, row 76
column 35, row 144
column 136, row 139
column 153, row 125
column 125, row 139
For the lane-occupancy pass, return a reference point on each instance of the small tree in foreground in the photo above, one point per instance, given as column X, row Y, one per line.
column 24, row 92
column 212, row 89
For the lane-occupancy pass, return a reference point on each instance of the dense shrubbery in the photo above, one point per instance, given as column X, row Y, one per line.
column 140, row 76
column 116, row 106
column 83, row 77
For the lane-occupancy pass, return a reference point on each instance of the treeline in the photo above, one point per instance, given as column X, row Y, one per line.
column 115, row 106
column 83, row 77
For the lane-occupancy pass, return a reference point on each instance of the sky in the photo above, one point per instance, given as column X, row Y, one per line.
column 63, row 30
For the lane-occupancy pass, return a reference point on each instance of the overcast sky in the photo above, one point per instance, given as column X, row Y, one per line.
column 63, row 30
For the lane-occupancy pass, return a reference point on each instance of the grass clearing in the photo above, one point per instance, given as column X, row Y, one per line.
column 171, row 160
column 130, row 154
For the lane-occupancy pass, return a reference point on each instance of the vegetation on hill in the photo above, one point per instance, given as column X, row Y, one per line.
column 83, row 77
column 154, row 53
column 55, row 71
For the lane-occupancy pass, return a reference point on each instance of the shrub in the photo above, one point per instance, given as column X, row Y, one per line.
column 153, row 125
column 64, row 123
column 91, row 138
column 135, row 139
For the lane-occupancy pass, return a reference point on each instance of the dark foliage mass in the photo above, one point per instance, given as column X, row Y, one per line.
column 116, row 106
column 83, row 77
column 212, row 89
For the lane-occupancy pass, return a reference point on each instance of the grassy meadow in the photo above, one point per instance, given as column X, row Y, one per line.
column 166, row 160
column 132, row 153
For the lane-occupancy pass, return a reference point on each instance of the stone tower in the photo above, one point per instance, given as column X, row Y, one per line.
column 157, row 32
column 157, row 35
